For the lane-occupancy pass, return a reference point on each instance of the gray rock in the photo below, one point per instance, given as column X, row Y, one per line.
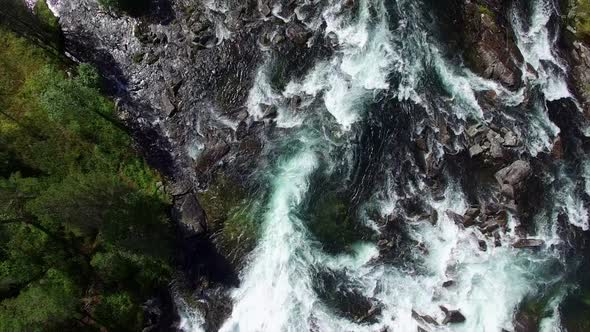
column 516, row 173
column 452, row 316
column 424, row 318
column 448, row 283
column 510, row 139
column 475, row 150
column 190, row 215
column 528, row 243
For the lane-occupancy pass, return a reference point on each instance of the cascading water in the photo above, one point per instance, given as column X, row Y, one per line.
column 385, row 53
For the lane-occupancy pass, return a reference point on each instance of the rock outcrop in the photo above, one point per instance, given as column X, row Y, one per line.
column 490, row 47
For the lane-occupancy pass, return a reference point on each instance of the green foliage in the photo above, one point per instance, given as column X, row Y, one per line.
column 122, row 309
column 48, row 20
column 80, row 212
column 582, row 19
column 131, row 7
column 41, row 306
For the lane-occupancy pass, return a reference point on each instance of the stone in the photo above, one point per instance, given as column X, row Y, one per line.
column 496, row 150
column 297, row 33
column 457, row 218
column 512, row 178
column 424, row 318
column 470, row 216
column 475, row 130
column 264, row 8
column 475, row 150
column 528, row 243
column 452, row 316
column 190, row 215
column 448, row 283
column 483, row 246
column 167, row 106
column 510, row 139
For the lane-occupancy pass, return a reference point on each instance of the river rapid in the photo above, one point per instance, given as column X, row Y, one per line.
column 346, row 156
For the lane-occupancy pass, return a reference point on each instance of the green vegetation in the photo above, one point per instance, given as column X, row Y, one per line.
column 333, row 223
column 582, row 19
column 230, row 216
column 84, row 237
column 48, row 20
column 484, row 10
column 130, row 7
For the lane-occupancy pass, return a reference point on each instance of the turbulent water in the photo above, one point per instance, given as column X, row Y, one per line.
column 389, row 76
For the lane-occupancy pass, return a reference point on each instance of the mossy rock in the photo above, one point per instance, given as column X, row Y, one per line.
column 575, row 311
column 583, row 19
column 46, row 17
column 332, row 221
column 230, row 216
column 484, row 10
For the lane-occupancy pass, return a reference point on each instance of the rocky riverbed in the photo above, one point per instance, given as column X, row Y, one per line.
column 500, row 106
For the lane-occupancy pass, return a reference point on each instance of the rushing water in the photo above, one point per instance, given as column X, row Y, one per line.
column 386, row 56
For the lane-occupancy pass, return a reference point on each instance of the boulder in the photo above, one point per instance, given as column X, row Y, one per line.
column 491, row 50
column 470, row 216
column 448, row 283
column 483, row 246
column 528, row 243
column 452, row 316
column 425, row 319
column 189, row 215
column 297, row 33
column 475, row 150
column 513, row 177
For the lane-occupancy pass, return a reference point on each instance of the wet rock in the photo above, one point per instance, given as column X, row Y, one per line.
column 557, row 152
column 371, row 314
column 483, row 246
column 470, row 216
column 457, row 218
column 475, row 150
column 448, row 283
column 167, row 106
column 528, row 243
column 475, row 130
column 425, row 319
column 270, row 111
column 494, row 222
column 264, row 8
column 452, row 316
column 579, row 58
column 190, row 215
column 510, row 139
column 491, row 49
column 297, row 33
column 512, row 178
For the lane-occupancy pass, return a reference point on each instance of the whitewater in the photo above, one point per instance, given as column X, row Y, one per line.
column 384, row 54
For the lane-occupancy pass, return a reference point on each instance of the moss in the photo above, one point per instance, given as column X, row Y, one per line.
column 332, row 222
column 484, row 10
column 45, row 15
column 138, row 57
column 582, row 19
column 229, row 215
